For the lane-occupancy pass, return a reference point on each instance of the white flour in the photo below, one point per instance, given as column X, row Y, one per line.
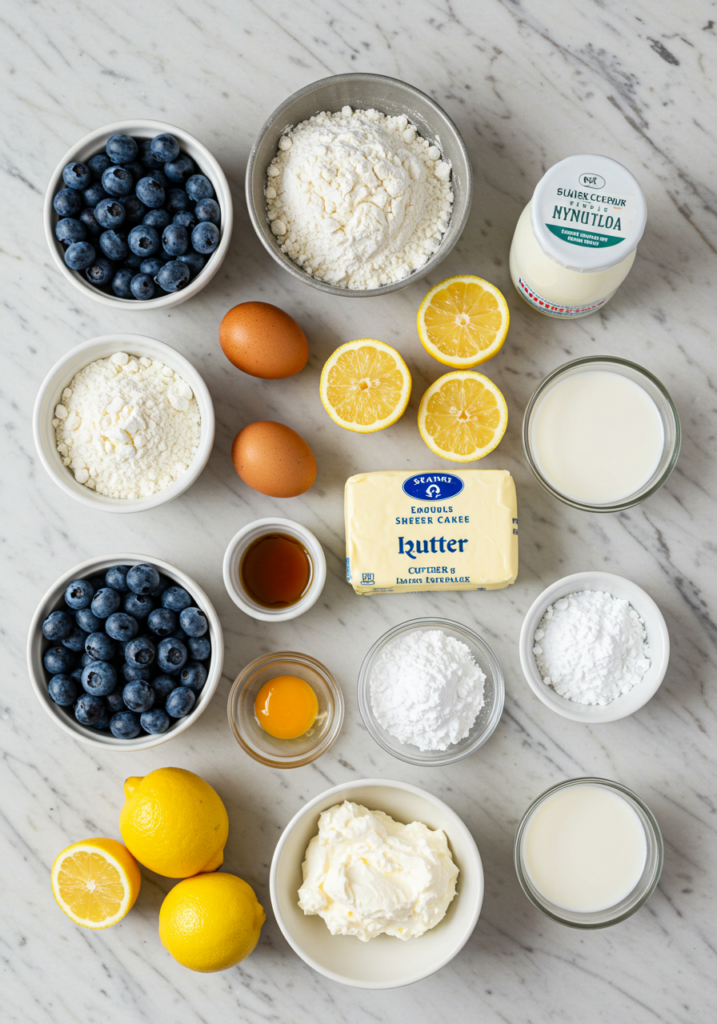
column 426, row 689
column 358, row 199
column 127, row 426
column 591, row 647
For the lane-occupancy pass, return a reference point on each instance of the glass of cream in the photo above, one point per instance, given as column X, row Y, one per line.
column 588, row 853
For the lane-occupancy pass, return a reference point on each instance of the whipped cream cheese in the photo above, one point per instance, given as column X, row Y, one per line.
column 367, row 875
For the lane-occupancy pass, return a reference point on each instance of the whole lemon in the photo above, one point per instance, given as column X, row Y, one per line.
column 211, row 922
column 174, row 823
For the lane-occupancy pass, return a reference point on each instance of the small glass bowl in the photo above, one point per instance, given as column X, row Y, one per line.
column 259, row 744
column 665, row 406
column 634, row 900
column 488, row 717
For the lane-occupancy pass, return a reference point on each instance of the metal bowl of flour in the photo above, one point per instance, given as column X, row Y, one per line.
column 361, row 92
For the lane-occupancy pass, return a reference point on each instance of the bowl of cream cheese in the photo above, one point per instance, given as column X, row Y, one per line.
column 354, row 923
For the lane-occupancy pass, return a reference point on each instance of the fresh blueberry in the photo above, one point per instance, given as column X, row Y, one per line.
column 151, row 192
column 69, row 230
column 176, row 599
column 125, row 725
column 143, row 240
column 63, row 690
column 138, row 696
column 86, row 659
column 145, row 155
column 208, row 209
column 76, row 674
column 200, row 647
column 135, row 209
column 79, row 255
column 67, row 202
column 142, row 286
column 164, row 148
column 193, row 622
column 186, row 218
column 121, row 626
column 116, row 181
column 133, row 262
column 98, row 164
column 116, row 578
column 155, row 721
column 99, row 678
column 114, row 245
column 121, row 149
column 194, row 261
column 180, row 702
column 175, row 239
column 57, row 626
column 143, row 579
column 110, row 214
column 163, row 686
column 193, row 675
column 121, row 283
column 76, row 175
column 89, row 709
column 172, row 276
column 205, row 237
column 171, row 656
column 75, row 641
column 86, row 620
column 92, row 226
column 177, row 200
column 114, row 701
column 104, row 719
column 138, row 605
column 135, row 168
column 78, row 594
column 180, row 169
column 199, row 187
column 158, row 219
column 131, row 673
column 140, row 651
column 94, row 194
column 105, row 602
column 100, row 272
column 152, row 265
column 99, row 646
column 162, row 621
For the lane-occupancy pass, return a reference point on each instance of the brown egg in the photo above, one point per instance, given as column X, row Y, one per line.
column 273, row 459
column 263, row 340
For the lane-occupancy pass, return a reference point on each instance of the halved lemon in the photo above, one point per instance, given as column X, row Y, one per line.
column 462, row 416
column 96, row 882
column 365, row 385
column 463, row 321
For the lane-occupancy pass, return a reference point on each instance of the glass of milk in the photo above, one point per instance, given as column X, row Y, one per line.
column 588, row 853
column 601, row 434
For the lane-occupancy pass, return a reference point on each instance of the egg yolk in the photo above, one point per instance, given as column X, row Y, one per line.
column 286, row 707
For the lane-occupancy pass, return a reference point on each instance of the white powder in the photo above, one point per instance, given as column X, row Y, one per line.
column 358, row 199
column 426, row 689
column 591, row 647
column 127, row 426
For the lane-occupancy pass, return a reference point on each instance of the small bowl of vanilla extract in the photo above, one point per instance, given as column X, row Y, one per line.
column 274, row 569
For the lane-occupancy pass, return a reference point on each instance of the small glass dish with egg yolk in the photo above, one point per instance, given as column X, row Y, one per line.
column 285, row 709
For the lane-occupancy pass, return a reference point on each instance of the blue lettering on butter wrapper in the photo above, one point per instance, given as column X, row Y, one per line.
column 432, row 486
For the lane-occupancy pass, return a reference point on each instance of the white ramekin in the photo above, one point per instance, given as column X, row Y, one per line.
column 60, row 376
column 657, row 636
column 142, row 128
column 37, row 645
column 232, row 560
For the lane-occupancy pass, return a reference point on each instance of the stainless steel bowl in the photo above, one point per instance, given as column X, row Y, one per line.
column 391, row 97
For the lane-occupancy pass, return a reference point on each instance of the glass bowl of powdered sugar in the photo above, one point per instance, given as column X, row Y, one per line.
column 431, row 691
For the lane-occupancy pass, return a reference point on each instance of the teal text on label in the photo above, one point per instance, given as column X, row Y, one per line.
column 585, row 238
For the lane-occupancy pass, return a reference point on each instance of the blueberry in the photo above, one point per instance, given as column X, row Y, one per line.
column 135, row 168
column 94, row 194
column 121, row 283
column 100, row 272
column 114, row 701
column 193, row 622
column 155, row 721
column 138, row 605
column 180, row 702
column 164, row 148
column 175, row 239
column 89, row 709
column 133, row 262
column 151, row 191
column 98, row 164
column 116, row 181
column 138, row 696
column 99, row 678
column 99, row 646
column 200, row 647
column 143, row 579
column 67, row 202
column 114, row 244
column 63, row 690
column 116, row 578
column 162, row 621
column 131, row 673
column 110, row 214
column 104, row 720
column 121, row 149
column 93, row 227
column 140, row 651
column 194, row 261
column 57, row 625
column 193, row 675
column 135, row 209
column 75, row 641
column 158, row 219
column 180, row 169
column 208, row 209
column 86, row 620
column 177, row 200
column 176, row 599
column 186, row 219
column 205, row 237
column 172, row 276
column 121, row 626
column 145, row 155
column 125, row 725
column 105, row 602
column 163, row 686
column 143, row 240
column 171, row 655
column 164, row 584
column 79, row 255
column 199, row 187
column 77, row 175
column 142, row 286
column 69, row 230
column 86, row 659
column 151, row 265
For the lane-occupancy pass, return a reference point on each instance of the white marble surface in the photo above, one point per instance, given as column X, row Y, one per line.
column 527, row 83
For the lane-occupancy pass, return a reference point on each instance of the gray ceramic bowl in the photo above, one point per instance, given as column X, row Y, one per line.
column 389, row 96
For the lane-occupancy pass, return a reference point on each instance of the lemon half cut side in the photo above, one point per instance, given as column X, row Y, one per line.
column 365, row 385
column 96, row 882
column 462, row 416
column 463, row 321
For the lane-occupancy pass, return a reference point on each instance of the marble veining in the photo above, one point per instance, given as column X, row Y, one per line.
column 527, row 83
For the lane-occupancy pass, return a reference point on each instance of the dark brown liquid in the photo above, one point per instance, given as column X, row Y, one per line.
column 276, row 570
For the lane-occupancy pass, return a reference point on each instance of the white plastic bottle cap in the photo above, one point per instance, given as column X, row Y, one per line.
column 588, row 213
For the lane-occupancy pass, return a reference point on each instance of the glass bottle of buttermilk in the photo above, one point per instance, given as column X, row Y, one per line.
column 576, row 240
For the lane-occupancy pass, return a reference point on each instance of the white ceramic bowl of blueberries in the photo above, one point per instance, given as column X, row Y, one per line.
column 125, row 652
column 138, row 214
